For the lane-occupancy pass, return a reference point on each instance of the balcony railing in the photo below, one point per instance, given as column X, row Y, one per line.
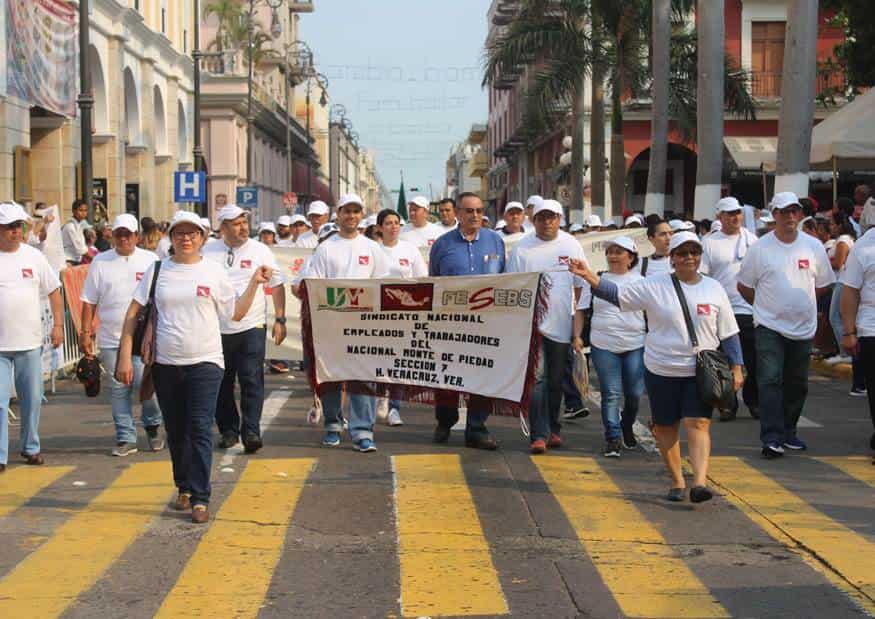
column 767, row 85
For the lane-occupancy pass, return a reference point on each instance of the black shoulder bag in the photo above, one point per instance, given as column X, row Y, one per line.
column 713, row 372
column 144, row 315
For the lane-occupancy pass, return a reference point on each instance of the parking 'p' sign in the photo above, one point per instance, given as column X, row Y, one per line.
column 247, row 197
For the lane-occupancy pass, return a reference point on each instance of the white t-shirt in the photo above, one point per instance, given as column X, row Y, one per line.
column 533, row 255
column 190, row 299
column 784, row 277
column 25, row 277
column 721, row 259
column 859, row 273
column 163, row 248
column 847, row 239
column 307, row 240
column 289, row 242
column 511, row 238
column 610, row 328
column 356, row 258
column 110, row 285
column 405, row 260
column 655, row 266
column 247, row 258
column 528, row 226
column 74, row 241
column 667, row 347
column 448, row 228
column 421, row 237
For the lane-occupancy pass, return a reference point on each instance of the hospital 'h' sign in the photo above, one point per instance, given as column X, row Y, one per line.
column 189, row 187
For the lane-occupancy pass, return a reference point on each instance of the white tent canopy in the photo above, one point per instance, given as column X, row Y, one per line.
column 846, row 139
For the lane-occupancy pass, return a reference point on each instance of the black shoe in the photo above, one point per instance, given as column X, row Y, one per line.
column 872, row 442
column 252, row 443
column 228, row 440
column 727, row 414
column 441, row 435
column 629, row 440
column 772, row 451
column 675, row 495
column 700, row 494
column 482, row 440
column 2, row 468
column 754, row 411
column 581, row 412
column 612, row 449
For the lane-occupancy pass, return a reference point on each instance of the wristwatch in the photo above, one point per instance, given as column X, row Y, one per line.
column 280, row 320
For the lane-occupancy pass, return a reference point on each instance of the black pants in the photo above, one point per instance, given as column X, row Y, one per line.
column 747, row 335
column 867, row 366
column 244, row 363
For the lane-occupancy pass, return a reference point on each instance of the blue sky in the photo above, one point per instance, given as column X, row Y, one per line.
column 408, row 73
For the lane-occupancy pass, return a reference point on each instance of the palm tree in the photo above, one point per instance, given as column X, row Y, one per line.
column 797, row 97
column 709, row 125
column 227, row 12
column 654, row 202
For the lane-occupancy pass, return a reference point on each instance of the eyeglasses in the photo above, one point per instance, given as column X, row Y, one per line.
column 181, row 234
column 473, row 211
column 684, row 253
column 15, row 225
column 229, row 259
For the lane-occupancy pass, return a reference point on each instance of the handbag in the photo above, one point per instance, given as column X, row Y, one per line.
column 713, row 372
column 144, row 315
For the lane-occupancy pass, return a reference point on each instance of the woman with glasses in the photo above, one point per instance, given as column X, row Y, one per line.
column 192, row 296
column 669, row 357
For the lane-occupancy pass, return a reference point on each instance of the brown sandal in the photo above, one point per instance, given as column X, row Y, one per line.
column 33, row 459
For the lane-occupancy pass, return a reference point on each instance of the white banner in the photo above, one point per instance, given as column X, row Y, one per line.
column 466, row 334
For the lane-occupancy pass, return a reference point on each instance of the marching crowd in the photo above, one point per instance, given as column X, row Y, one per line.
column 181, row 319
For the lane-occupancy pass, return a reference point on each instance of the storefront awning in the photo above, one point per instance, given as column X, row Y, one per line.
column 751, row 153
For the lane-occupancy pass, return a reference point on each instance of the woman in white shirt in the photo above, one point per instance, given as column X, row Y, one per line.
column 617, row 348
column 191, row 295
column 669, row 357
column 405, row 261
column 657, row 263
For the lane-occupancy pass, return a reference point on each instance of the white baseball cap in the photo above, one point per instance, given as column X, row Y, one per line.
column 575, row 228
column 514, row 205
column 317, row 207
column 486, row 218
column 10, row 212
column 716, row 225
column 500, row 224
column 682, row 237
column 350, row 198
column 326, row 230
column 126, row 221
column 299, row 219
column 633, row 219
column 205, row 222
column 783, row 199
column 728, row 205
column 767, row 218
column 185, row 217
column 548, row 205
column 419, row 201
column 623, row 241
column 228, row 213
column 593, row 221
column 266, row 226
column 285, row 220
column 534, row 200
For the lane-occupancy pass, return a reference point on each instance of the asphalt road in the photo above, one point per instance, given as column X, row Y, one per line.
column 423, row 530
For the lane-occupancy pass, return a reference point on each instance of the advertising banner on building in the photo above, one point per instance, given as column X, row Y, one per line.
column 41, row 53
column 417, row 337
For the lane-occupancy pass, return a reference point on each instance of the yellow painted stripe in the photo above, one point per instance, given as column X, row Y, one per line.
column 844, row 556
column 50, row 579
column 645, row 576
column 229, row 573
column 446, row 566
column 18, row 485
column 858, row 467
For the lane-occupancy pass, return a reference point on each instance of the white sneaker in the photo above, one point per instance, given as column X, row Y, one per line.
column 836, row 359
column 394, row 418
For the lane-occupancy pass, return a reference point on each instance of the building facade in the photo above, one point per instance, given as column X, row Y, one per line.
column 467, row 165
column 343, row 159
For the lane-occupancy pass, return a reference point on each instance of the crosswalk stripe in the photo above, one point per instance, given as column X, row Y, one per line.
column 22, row 483
column 844, row 556
column 857, row 467
column 645, row 576
column 446, row 566
column 230, row 571
column 50, row 579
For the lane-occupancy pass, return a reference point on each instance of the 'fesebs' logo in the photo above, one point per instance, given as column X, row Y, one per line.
column 703, row 309
column 246, row 264
column 139, row 276
column 411, row 297
column 203, row 291
column 27, row 273
column 484, row 298
column 803, row 263
column 345, row 299
column 364, row 260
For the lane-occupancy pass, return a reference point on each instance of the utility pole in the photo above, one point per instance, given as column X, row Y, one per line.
column 86, row 104
column 250, row 121
column 196, row 55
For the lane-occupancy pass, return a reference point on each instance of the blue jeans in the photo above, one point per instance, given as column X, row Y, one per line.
column 782, row 375
column 187, row 394
column 244, row 362
column 28, row 366
column 121, row 399
column 547, row 395
column 620, row 375
column 362, row 413
column 838, row 328
column 569, row 389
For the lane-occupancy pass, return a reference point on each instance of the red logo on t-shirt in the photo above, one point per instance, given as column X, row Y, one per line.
column 430, row 242
column 139, row 276
column 364, row 260
column 246, row 264
column 404, row 262
column 27, row 273
column 203, row 291
column 563, row 259
column 803, row 264
column 703, row 309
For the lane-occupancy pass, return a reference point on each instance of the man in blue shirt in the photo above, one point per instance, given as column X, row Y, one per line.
column 470, row 249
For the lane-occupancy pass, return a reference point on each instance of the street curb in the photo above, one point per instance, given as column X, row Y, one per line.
column 840, row 370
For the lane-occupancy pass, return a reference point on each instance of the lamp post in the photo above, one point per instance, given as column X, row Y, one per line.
column 304, row 56
column 86, row 104
column 323, row 101
column 196, row 55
